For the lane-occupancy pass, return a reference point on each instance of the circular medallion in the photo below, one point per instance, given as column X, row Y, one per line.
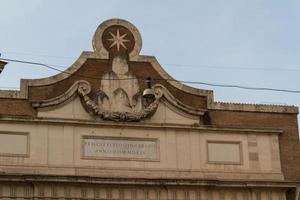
column 118, row 40
column 117, row 37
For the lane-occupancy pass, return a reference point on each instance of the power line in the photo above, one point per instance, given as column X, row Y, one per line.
column 36, row 55
column 58, row 70
column 144, row 78
column 241, row 87
column 32, row 63
column 234, row 68
column 248, row 68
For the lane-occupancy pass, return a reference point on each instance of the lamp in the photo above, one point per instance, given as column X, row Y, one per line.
column 148, row 93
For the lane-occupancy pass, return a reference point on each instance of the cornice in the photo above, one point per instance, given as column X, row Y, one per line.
column 141, row 125
column 149, row 182
column 254, row 108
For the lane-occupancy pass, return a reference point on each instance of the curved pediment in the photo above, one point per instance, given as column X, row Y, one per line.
column 110, row 81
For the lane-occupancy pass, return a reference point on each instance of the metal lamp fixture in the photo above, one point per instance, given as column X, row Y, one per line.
column 148, row 92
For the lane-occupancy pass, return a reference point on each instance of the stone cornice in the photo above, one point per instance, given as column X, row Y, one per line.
column 254, row 108
column 195, row 127
column 148, row 182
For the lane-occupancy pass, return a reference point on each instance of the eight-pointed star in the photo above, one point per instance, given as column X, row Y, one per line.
column 118, row 40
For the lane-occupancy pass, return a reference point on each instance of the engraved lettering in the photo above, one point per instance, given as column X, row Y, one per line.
column 120, row 148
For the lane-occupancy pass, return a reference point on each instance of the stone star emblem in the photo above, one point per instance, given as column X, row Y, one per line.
column 118, row 40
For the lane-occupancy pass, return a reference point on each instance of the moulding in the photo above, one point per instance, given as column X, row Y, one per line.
column 254, row 108
column 176, row 103
column 145, row 125
column 61, row 98
column 149, row 182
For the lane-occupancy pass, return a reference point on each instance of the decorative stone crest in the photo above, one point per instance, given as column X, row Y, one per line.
column 117, row 37
column 98, row 110
column 113, row 92
column 119, row 97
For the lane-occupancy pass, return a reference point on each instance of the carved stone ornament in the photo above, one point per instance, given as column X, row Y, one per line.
column 116, row 94
column 119, row 97
column 97, row 109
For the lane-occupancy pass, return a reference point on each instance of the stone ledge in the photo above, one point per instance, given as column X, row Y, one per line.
column 195, row 127
column 254, row 108
column 14, row 94
column 137, row 173
column 149, row 182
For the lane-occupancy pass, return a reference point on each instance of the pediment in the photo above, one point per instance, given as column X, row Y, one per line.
column 109, row 82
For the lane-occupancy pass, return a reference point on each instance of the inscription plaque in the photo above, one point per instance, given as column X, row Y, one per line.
column 120, row 148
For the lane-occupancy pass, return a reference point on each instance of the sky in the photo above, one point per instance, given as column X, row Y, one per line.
column 249, row 43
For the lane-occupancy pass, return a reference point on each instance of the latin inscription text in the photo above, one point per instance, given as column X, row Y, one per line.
column 120, row 148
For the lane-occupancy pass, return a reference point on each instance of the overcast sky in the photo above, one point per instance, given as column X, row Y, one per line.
column 250, row 43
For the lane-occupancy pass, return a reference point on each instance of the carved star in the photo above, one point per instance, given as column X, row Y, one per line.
column 118, row 40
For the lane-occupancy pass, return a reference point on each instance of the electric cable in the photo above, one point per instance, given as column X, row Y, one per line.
column 249, row 68
column 158, row 79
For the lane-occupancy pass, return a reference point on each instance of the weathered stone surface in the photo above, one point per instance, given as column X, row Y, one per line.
column 120, row 148
column 91, row 122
